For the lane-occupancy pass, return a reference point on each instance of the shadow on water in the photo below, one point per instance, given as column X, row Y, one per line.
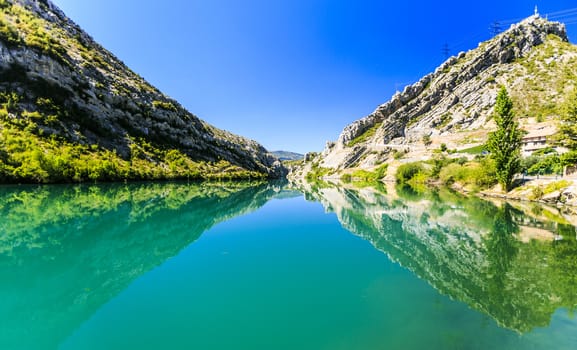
column 67, row 250
column 514, row 262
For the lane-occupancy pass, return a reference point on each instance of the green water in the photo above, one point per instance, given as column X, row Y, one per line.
column 258, row 266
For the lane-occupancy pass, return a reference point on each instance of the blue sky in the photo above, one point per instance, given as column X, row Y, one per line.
column 291, row 73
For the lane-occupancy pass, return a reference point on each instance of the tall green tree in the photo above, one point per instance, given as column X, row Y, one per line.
column 505, row 142
column 568, row 127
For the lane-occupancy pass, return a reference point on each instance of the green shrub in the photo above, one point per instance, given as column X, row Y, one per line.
column 556, row 186
column 381, row 171
column 444, row 120
column 544, row 151
column 408, row 171
column 318, row 173
column 476, row 174
column 419, row 181
column 549, row 165
column 346, row 178
column 168, row 106
column 363, row 175
column 536, row 192
column 427, row 140
column 399, row 154
column 367, row 176
column 451, row 174
column 569, row 158
column 485, row 175
column 9, row 35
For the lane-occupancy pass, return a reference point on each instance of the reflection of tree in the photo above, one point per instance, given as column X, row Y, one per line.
column 66, row 250
column 501, row 245
column 501, row 249
column 564, row 260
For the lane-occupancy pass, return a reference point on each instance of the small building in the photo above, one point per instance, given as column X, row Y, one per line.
column 539, row 137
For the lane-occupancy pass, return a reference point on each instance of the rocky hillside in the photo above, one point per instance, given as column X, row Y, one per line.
column 454, row 104
column 70, row 110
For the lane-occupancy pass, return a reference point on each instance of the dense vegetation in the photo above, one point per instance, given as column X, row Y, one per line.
column 475, row 175
column 25, row 156
column 504, row 160
column 28, row 159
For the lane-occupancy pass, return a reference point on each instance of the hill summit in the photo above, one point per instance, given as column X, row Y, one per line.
column 452, row 107
column 72, row 111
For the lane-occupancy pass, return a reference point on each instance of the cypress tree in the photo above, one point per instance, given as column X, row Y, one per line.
column 505, row 142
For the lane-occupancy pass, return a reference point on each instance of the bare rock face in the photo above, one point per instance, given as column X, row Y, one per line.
column 459, row 95
column 103, row 102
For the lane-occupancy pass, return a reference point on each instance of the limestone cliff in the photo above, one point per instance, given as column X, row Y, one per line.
column 73, row 98
column 454, row 104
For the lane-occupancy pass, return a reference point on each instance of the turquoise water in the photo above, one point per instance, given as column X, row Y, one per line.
column 177, row 266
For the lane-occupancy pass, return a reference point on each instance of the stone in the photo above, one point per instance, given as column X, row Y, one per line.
column 552, row 197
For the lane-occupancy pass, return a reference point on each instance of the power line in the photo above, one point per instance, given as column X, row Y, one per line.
column 508, row 22
column 571, row 15
column 495, row 28
column 445, row 50
column 466, row 41
column 562, row 12
column 568, row 17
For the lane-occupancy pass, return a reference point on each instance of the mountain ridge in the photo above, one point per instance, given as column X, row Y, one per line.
column 59, row 84
column 453, row 105
column 287, row 155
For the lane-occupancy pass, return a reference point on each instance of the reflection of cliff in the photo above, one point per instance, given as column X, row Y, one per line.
column 65, row 251
column 469, row 249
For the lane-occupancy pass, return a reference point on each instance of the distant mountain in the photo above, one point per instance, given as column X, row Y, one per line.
column 453, row 106
column 71, row 111
column 285, row 155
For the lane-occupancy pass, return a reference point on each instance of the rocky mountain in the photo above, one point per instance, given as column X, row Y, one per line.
column 71, row 110
column 453, row 105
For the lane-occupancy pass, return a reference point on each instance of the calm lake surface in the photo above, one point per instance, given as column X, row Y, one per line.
column 259, row 266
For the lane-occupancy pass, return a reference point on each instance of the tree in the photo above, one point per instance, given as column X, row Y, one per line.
column 504, row 144
column 568, row 128
column 427, row 140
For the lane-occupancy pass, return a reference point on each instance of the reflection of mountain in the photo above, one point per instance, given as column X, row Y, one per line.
column 65, row 251
column 470, row 249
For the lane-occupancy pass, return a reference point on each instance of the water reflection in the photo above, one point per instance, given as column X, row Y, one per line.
column 65, row 251
column 514, row 262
